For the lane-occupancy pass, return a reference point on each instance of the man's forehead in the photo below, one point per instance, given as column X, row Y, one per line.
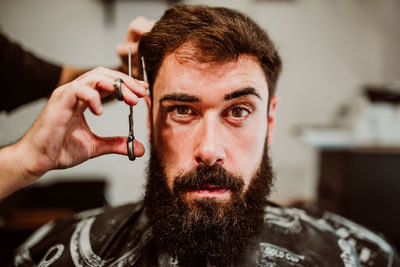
column 179, row 74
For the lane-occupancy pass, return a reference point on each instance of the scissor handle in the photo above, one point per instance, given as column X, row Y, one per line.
column 131, row 148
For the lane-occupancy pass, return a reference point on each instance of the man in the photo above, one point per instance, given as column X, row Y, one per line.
column 212, row 78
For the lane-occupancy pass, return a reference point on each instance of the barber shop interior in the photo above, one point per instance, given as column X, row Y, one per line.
column 114, row 107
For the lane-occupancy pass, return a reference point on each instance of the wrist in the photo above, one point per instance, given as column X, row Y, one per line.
column 14, row 171
column 32, row 162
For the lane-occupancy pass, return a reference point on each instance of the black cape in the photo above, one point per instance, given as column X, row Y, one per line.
column 121, row 236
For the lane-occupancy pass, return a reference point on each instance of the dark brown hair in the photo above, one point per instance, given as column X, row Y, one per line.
column 217, row 35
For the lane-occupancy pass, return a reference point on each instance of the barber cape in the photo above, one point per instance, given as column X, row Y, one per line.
column 121, row 236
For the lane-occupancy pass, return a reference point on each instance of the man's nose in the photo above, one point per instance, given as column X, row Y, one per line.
column 209, row 148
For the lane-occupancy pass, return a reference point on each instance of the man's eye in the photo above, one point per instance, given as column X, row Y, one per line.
column 239, row 112
column 182, row 110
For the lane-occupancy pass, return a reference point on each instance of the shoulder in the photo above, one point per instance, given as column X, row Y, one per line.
column 322, row 236
column 86, row 237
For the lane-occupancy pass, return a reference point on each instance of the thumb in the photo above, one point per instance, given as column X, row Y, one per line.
column 115, row 145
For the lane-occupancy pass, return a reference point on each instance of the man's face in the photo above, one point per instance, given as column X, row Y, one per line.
column 210, row 114
column 209, row 172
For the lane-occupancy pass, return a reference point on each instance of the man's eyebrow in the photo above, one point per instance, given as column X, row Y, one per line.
column 242, row 92
column 181, row 97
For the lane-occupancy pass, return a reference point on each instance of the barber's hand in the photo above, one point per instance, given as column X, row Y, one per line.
column 137, row 28
column 61, row 138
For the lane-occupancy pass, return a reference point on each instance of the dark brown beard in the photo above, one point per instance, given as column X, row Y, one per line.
column 206, row 230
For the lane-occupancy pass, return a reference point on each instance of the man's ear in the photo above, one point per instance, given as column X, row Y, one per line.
column 271, row 118
column 149, row 106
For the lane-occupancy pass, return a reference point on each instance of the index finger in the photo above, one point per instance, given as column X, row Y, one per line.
column 136, row 86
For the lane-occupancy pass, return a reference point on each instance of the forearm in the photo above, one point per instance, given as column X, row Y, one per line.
column 14, row 169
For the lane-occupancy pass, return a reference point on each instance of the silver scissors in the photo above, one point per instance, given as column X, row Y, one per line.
column 131, row 137
column 117, row 85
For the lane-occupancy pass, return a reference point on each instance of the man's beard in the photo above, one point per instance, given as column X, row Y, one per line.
column 206, row 229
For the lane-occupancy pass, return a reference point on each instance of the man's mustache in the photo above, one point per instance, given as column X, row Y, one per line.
column 204, row 175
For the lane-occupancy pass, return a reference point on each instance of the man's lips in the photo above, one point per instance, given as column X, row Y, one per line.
column 209, row 191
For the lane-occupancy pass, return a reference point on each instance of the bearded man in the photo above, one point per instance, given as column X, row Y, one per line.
column 212, row 78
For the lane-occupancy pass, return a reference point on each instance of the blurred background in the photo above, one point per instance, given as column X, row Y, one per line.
column 337, row 136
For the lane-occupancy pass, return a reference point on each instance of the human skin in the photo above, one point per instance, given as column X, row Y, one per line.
column 195, row 122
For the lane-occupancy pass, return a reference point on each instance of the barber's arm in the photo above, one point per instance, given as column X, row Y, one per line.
column 60, row 137
column 26, row 77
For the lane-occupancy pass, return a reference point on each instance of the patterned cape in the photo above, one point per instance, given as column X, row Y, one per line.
column 121, row 236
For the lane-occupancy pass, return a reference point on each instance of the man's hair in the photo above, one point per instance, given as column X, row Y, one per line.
column 208, row 34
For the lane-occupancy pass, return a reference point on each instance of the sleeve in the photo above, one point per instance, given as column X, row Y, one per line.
column 23, row 76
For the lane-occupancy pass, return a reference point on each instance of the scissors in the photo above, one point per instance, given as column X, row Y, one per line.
column 118, row 91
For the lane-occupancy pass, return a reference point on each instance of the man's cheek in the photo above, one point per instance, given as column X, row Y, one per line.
column 251, row 157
